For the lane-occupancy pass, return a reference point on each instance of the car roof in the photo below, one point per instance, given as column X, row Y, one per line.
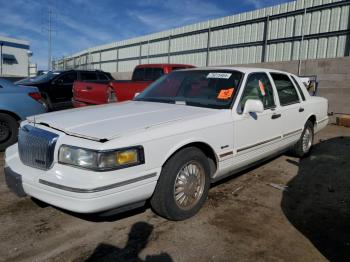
column 237, row 68
column 164, row 65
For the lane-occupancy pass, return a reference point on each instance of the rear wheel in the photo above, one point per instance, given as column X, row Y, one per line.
column 304, row 145
column 183, row 185
column 8, row 131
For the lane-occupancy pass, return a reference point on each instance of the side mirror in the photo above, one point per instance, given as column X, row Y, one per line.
column 253, row 106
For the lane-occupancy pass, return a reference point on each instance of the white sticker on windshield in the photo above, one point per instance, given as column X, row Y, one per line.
column 219, row 75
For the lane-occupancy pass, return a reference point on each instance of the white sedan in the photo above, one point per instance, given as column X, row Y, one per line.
column 185, row 131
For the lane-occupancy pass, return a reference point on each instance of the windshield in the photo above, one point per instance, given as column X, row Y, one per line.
column 45, row 77
column 204, row 88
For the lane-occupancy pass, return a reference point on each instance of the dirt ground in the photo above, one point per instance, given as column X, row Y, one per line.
column 244, row 219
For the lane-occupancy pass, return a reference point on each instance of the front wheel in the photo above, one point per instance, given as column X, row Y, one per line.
column 183, row 185
column 304, row 145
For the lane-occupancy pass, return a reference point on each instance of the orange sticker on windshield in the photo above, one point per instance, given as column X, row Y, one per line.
column 226, row 93
column 262, row 88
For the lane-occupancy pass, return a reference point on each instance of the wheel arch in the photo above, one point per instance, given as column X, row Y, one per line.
column 204, row 147
column 10, row 113
column 312, row 118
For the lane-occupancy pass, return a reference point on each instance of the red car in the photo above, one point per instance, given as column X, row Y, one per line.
column 105, row 91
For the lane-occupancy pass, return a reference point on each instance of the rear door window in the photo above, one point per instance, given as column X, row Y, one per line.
column 299, row 88
column 88, row 76
column 286, row 91
column 102, row 76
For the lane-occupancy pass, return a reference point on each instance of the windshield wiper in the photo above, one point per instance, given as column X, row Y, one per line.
column 157, row 100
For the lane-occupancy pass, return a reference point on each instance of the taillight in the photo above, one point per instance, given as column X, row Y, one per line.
column 35, row 95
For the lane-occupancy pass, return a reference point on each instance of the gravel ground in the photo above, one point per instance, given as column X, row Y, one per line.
column 244, row 219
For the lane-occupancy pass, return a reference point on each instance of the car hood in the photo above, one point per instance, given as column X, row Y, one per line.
column 106, row 122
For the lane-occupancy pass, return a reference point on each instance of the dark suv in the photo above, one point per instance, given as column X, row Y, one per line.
column 56, row 86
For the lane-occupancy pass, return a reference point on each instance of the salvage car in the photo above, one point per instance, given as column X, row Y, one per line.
column 16, row 103
column 56, row 86
column 87, row 92
column 185, row 131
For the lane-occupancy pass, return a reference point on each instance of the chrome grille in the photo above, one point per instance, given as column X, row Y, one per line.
column 36, row 147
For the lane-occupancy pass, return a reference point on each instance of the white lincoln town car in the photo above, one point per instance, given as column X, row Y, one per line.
column 185, row 131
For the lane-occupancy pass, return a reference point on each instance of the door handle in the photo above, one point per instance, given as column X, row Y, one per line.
column 301, row 109
column 275, row 116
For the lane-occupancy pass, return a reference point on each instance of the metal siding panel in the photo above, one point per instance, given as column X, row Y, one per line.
column 234, row 56
column 289, row 26
column 109, row 55
column 307, row 23
column 335, row 19
column 258, row 54
column 254, row 32
column 229, row 57
column 341, row 46
column 230, row 36
column 332, row 47
column 312, row 49
column 344, row 19
column 236, row 35
column 322, row 48
column 287, row 49
column 281, row 28
column 315, row 22
column 279, row 52
column 248, row 32
column 239, row 55
column 298, row 25
column 296, row 46
column 325, row 20
column 274, row 29
column 304, row 50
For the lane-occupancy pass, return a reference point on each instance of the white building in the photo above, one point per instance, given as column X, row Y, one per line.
column 14, row 57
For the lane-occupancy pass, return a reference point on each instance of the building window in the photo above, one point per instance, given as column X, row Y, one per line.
column 8, row 59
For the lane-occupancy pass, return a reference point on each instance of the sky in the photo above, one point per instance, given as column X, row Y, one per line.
column 80, row 24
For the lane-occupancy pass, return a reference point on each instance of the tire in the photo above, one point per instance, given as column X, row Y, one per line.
column 303, row 147
column 189, row 166
column 8, row 131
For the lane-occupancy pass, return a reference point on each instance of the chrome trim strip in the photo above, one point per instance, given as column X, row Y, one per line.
column 293, row 132
column 323, row 120
column 258, row 144
column 97, row 189
column 226, row 154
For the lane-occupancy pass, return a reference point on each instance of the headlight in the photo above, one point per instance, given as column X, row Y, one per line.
column 101, row 160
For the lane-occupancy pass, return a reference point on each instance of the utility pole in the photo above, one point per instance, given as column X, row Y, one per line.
column 302, row 41
column 50, row 39
column 49, row 29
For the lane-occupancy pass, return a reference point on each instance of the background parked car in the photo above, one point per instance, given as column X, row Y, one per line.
column 16, row 103
column 56, row 86
column 98, row 92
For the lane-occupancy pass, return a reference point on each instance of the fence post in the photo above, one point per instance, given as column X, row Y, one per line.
column 266, row 34
column 169, row 48
column 208, row 47
column 117, row 60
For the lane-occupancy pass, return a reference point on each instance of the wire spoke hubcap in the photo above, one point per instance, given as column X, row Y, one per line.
column 307, row 140
column 189, row 185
